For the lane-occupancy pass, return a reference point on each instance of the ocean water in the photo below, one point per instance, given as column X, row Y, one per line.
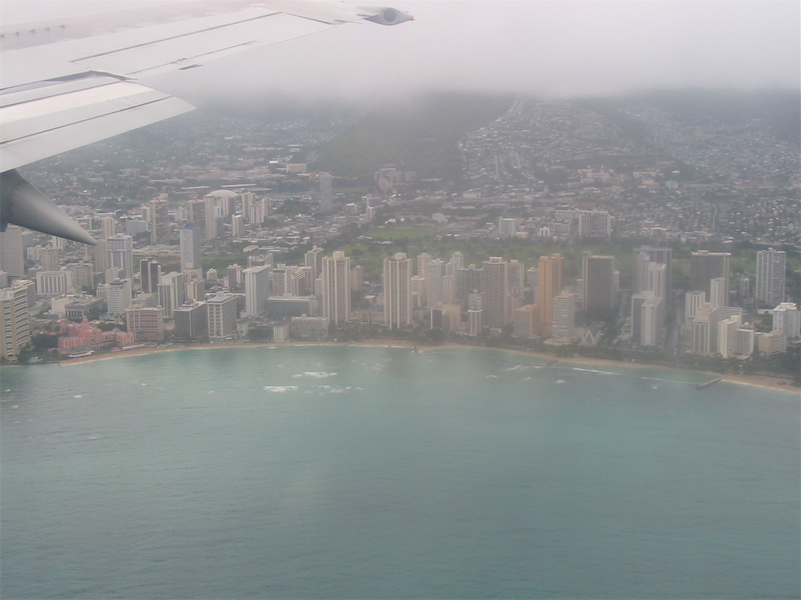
column 350, row 472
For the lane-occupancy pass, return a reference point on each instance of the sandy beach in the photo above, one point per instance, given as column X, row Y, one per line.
column 783, row 384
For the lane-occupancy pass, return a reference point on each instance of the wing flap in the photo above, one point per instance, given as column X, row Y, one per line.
column 47, row 126
column 192, row 49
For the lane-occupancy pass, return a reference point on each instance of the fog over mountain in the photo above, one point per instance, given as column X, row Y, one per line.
column 567, row 48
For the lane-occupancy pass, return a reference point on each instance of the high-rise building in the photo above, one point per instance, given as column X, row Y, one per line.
column 657, row 280
column 527, row 320
column 787, row 319
column 643, row 257
column 652, row 319
column 172, row 292
column 326, row 192
column 258, row 211
column 149, row 275
column 235, row 276
column 533, row 283
column 701, row 330
column 637, row 300
column 356, row 278
column 314, row 259
column 706, row 266
column 422, row 263
column 82, row 275
column 120, row 254
column 716, row 315
column 594, row 223
column 718, row 294
column 109, row 225
column 454, row 264
column 146, row 323
column 495, row 288
column 336, row 288
column 197, row 215
column 196, row 289
column 449, row 289
column 286, row 280
column 507, row 227
column 435, row 270
column 744, row 287
column 222, row 315
column 768, row 344
column 770, row 276
column 100, row 258
column 15, row 331
column 475, row 321
column 418, row 292
column 692, row 300
column 564, row 316
column 727, row 336
column 639, row 280
column 12, row 252
column 467, row 280
column 237, row 226
column 191, row 321
column 248, row 200
column 446, row 317
column 599, row 285
column 550, row 276
column 50, row 258
column 398, row 306
column 257, row 289
column 210, row 214
column 118, row 297
column 54, row 283
column 745, row 342
column 113, row 273
column 159, row 220
column 191, row 241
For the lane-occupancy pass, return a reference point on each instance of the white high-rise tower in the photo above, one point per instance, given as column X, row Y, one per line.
column 336, row 288
column 398, row 291
column 770, row 276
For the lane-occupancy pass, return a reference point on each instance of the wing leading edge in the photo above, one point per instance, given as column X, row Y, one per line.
column 68, row 83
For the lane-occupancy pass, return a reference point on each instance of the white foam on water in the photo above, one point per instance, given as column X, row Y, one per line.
column 280, row 388
column 593, row 371
column 315, row 374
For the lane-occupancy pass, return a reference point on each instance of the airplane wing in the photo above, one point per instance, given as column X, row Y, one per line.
column 66, row 83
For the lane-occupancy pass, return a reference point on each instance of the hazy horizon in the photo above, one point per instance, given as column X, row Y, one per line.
column 538, row 47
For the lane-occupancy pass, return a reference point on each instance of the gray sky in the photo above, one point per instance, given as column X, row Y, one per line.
column 551, row 47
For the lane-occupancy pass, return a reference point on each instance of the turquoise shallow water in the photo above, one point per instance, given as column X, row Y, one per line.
column 313, row 472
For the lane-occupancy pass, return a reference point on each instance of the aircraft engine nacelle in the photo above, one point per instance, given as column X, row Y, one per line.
column 24, row 205
column 388, row 16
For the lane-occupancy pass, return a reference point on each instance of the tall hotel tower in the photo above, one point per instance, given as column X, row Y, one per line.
column 706, row 266
column 599, row 284
column 550, row 275
column 191, row 239
column 398, row 291
column 120, row 254
column 159, row 220
column 150, row 275
column 326, row 192
column 495, row 288
column 257, row 289
column 336, row 288
column 770, row 275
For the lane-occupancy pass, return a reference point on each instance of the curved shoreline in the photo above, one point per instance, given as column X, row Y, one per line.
column 781, row 384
